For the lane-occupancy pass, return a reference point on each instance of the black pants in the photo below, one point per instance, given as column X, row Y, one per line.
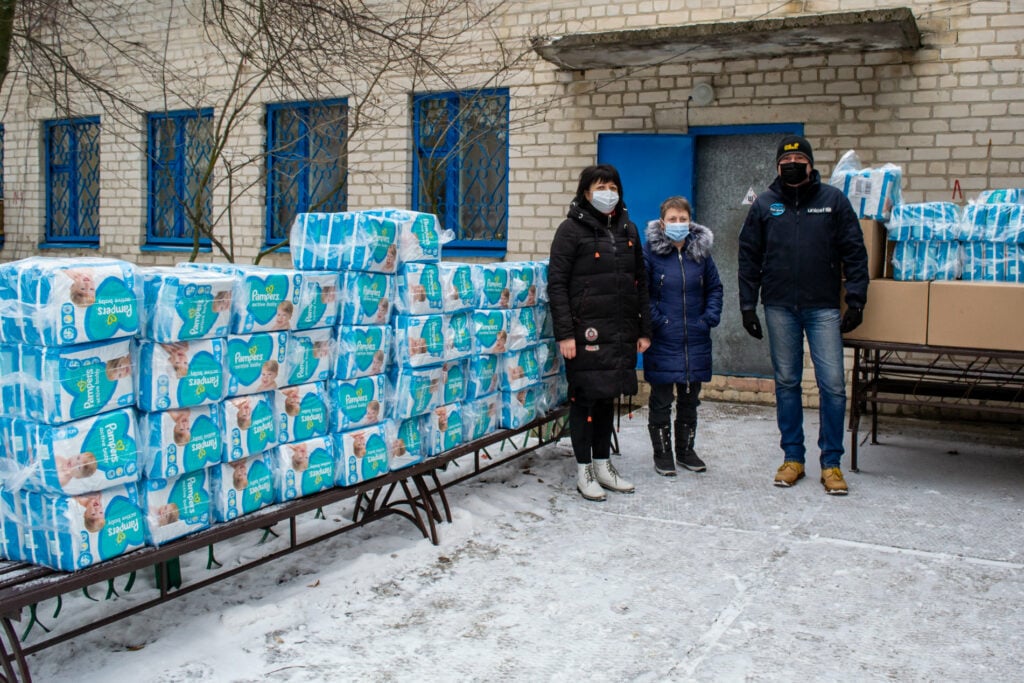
column 687, row 400
column 590, row 429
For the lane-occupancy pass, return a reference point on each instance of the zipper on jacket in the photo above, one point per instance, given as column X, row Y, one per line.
column 615, row 265
column 686, row 341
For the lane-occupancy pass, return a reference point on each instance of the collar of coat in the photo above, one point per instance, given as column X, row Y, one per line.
column 698, row 243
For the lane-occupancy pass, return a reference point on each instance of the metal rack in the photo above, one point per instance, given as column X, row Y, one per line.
column 982, row 380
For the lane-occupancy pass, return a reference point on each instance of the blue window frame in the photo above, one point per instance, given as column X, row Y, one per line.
column 307, row 162
column 72, row 181
column 180, row 180
column 460, row 166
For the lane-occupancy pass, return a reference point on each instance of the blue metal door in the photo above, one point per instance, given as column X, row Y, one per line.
column 653, row 167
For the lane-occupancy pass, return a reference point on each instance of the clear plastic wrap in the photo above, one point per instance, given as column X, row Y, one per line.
column 873, row 192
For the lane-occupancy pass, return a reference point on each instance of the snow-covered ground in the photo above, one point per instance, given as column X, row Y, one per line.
column 917, row 575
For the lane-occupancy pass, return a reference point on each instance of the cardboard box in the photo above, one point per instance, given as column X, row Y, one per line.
column 977, row 315
column 874, row 242
column 897, row 311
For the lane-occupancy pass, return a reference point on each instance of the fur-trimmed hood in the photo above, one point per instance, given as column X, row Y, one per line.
column 698, row 244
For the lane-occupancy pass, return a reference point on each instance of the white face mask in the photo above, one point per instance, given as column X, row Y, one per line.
column 604, row 200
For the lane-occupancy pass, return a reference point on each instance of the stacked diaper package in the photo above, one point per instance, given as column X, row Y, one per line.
column 873, row 192
column 982, row 241
column 142, row 404
column 69, row 451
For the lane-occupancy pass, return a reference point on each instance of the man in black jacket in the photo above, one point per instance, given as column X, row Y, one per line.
column 800, row 239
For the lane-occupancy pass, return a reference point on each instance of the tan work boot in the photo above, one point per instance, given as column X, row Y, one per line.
column 790, row 472
column 832, row 479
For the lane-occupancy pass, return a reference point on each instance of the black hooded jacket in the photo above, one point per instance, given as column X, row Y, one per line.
column 597, row 290
column 796, row 246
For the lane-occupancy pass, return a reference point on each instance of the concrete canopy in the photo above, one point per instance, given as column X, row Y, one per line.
column 804, row 34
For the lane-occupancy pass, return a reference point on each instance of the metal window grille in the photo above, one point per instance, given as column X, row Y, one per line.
column 461, row 164
column 73, row 180
column 180, row 195
column 307, row 162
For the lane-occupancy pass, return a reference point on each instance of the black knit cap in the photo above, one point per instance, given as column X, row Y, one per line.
column 794, row 144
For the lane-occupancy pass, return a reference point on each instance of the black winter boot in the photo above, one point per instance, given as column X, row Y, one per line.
column 661, row 443
column 685, row 455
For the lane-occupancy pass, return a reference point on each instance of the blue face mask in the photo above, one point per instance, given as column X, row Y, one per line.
column 677, row 232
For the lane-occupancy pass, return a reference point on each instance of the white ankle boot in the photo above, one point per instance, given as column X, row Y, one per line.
column 586, row 482
column 609, row 478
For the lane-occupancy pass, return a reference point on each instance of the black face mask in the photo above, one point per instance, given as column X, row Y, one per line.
column 793, row 173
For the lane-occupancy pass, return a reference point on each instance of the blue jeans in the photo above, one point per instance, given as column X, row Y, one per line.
column 786, row 330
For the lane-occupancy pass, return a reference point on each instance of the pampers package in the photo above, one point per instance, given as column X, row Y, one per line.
column 414, row 391
column 405, row 442
column 518, row 369
column 419, row 234
column 249, row 425
column 362, row 454
column 483, row 375
column 489, row 327
column 62, row 384
column 458, row 335
column 177, row 506
column 494, row 285
column 522, row 328
column 91, row 454
column 180, row 440
column 419, row 340
column 521, row 406
column 419, row 289
column 302, row 467
column 443, row 429
column 263, row 300
column 550, row 358
column 362, row 350
column 366, row 298
column 255, row 362
column 523, row 279
column 458, row 292
column 309, row 356
column 242, row 486
column 351, row 240
column 180, row 304
column 873, row 192
column 356, row 402
column 556, row 392
column 453, row 389
column 318, row 304
column 302, row 412
column 74, row 532
column 180, row 374
column 63, row 301
column 480, row 417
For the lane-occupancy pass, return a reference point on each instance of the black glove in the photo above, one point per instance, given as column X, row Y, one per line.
column 851, row 320
column 752, row 325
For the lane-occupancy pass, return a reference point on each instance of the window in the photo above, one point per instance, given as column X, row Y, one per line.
column 180, row 177
column 73, row 181
column 461, row 165
column 307, row 162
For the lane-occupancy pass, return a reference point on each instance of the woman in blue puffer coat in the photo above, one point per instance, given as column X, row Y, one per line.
column 686, row 302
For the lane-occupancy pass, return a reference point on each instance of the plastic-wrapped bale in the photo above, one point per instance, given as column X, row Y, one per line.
column 480, row 417
column 176, row 507
column 263, row 300
column 74, row 458
column 255, row 362
column 443, row 429
column 419, row 289
column 181, row 304
column 173, row 442
column 414, row 391
column 521, row 406
column 302, row 412
column 310, row 356
column 419, row 234
column 419, row 340
column 924, row 222
column 63, row 384
column 519, row 368
column 302, row 468
column 367, row 298
column 180, row 374
column 873, row 192
column 925, row 261
column 458, row 293
column 318, row 300
column 242, row 486
column 356, row 402
column 483, row 375
column 249, row 425
column 453, row 389
column 458, row 336
column 985, row 261
column 405, row 442
column 362, row 454
column 344, row 241
column 62, row 301
column 362, row 350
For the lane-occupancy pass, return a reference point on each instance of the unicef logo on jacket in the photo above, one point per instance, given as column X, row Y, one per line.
column 777, row 209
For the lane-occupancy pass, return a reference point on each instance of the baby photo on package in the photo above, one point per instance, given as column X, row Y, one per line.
column 362, row 350
column 405, row 442
column 366, row 298
column 181, row 304
column 356, row 402
column 362, row 454
column 177, row 506
column 419, row 339
column 309, row 356
column 419, row 289
column 317, row 300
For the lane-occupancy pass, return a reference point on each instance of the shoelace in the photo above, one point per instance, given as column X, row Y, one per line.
column 612, row 471
column 590, row 474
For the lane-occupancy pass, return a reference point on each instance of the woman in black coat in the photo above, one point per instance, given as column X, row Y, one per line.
column 599, row 306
